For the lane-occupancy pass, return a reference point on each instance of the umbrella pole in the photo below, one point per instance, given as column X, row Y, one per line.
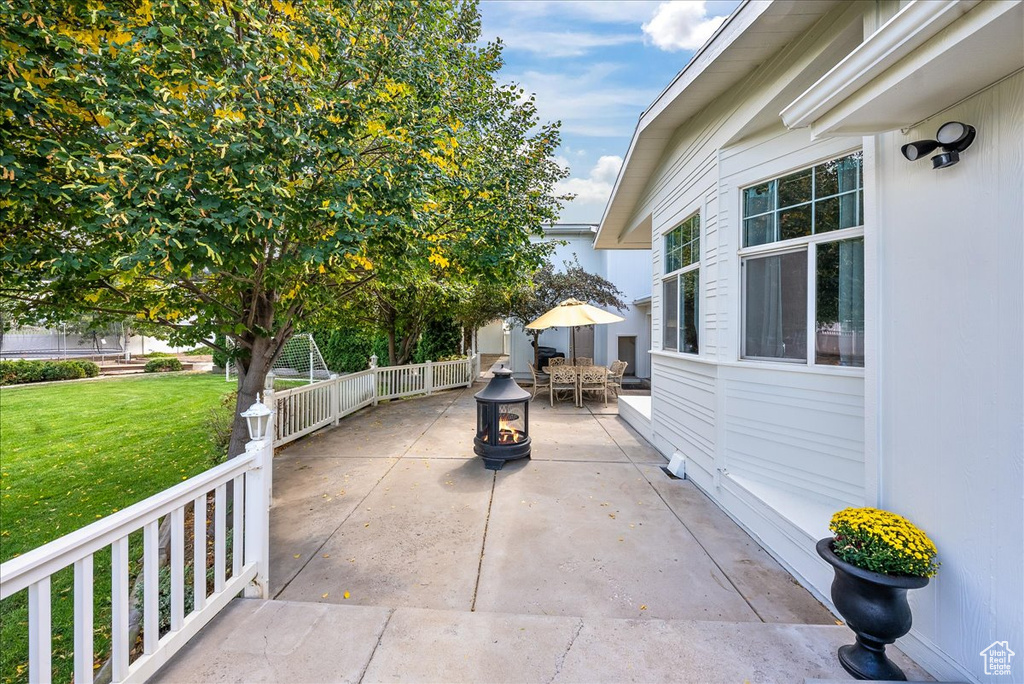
column 572, row 346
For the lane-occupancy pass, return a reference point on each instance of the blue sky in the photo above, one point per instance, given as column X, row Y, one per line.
column 595, row 66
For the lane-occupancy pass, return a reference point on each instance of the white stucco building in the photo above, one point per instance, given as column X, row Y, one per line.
column 833, row 324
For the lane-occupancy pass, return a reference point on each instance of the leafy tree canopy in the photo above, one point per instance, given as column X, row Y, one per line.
column 549, row 288
column 227, row 168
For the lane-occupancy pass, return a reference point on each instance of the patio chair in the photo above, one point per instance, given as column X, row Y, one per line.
column 563, row 378
column 584, row 361
column 540, row 380
column 615, row 373
column 556, row 361
column 594, row 379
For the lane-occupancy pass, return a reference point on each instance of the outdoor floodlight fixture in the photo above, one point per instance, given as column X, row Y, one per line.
column 953, row 137
column 257, row 417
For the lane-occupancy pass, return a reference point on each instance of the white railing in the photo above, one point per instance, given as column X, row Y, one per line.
column 240, row 563
column 303, row 410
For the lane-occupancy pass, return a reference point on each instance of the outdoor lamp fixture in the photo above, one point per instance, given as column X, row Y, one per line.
column 257, row 417
column 953, row 137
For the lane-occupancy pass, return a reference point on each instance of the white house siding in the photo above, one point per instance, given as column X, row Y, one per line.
column 780, row 448
column 951, row 385
column 933, row 427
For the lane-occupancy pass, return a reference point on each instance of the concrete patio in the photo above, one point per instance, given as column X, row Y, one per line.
column 396, row 557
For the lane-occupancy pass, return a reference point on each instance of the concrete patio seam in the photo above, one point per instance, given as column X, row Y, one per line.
column 380, row 638
column 483, row 543
column 367, row 495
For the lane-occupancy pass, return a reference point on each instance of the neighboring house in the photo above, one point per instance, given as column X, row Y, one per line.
column 628, row 270
column 834, row 325
column 32, row 342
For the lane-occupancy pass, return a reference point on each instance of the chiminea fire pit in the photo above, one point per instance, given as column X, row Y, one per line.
column 502, row 421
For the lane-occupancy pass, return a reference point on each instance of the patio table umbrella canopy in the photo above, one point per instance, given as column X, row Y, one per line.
column 573, row 313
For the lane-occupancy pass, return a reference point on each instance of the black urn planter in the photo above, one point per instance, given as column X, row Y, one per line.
column 875, row 607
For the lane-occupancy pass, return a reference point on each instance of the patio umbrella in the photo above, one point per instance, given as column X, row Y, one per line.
column 573, row 313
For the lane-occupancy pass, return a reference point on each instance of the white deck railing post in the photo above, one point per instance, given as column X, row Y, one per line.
column 335, row 397
column 428, row 381
column 258, row 483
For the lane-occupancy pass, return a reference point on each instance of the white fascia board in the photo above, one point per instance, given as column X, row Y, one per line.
column 910, row 28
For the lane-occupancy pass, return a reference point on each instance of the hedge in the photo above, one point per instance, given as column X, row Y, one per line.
column 21, row 372
column 163, row 365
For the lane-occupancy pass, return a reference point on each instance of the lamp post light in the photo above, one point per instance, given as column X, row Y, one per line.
column 257, row 418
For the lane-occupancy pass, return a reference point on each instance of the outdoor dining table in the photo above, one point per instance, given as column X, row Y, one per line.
column 578, row 394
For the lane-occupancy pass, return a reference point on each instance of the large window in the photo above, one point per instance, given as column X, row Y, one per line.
column 680, row 289
column 803, row 266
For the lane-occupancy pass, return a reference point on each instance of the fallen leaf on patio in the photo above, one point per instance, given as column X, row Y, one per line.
column 327, row 555
column 345, row 595
column 631, row 525
column 351, row 560
column 643, row 607
column 366, row 525
column 298, row 555
column 324, row 595
column 611, row 515
column 621, row 539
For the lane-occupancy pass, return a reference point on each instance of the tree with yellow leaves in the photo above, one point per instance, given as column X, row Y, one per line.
column 231, row 169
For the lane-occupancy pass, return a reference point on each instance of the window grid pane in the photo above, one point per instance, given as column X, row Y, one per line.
column 826, row 197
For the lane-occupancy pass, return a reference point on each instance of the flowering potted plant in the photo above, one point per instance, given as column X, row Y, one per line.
column 877, row 557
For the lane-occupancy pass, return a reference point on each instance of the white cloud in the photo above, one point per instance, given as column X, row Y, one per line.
column 597, row 186
column 681, row 25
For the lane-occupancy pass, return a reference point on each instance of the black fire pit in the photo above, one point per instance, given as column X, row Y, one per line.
column 502, row 421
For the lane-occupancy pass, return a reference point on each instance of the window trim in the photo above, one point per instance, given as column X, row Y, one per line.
column 677, row 275
column 807, row 243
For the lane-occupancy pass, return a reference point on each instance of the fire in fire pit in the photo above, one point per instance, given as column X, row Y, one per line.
column 502, row 421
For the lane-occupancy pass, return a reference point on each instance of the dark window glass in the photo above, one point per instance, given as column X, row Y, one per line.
column 795, row 222
column 775, row 306
column 670, row 300
column 691, row 311
column 839, row 304
column 759, row 230
column 759, row 199
column 795, row 188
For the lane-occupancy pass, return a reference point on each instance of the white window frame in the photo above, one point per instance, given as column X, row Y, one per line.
column 677, row 275
column 808, row 244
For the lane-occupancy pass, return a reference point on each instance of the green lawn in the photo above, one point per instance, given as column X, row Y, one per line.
column 74, row 452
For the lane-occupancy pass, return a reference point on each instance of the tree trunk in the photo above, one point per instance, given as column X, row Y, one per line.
column 536, row 349
column 251, row 381
column 392, row 350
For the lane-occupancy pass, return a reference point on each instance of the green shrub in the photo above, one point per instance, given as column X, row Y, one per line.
column 348, row 350
column 440, row 340
column 90, row 369
column 158, row 355
column 163, row 365
column 21, row 372
column 220, row 359
column 219, row 422
column 198, row 351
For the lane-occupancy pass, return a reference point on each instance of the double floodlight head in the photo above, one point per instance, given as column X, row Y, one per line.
column 953, row 137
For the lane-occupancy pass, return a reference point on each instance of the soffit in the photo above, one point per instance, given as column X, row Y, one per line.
column 925, row 59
